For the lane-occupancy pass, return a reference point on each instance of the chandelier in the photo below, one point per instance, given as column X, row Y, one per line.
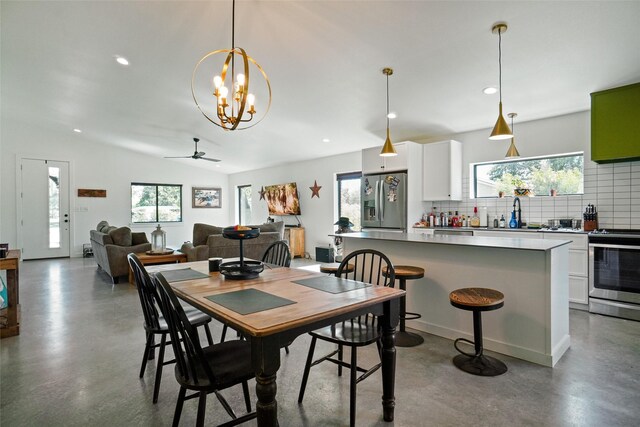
column 229, row 104
column 387, row 149
column 501, row 129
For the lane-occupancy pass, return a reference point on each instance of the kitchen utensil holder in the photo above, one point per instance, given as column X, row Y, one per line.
column 590, row 224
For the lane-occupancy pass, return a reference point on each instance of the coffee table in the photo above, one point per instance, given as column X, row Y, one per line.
column 146, row 259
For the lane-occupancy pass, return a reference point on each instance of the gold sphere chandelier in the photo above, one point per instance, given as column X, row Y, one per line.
column 232, row 106
column 387, row 149
column 512, row 152
column 501, row 129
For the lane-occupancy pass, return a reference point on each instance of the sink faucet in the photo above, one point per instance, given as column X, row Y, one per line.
column 517, row 199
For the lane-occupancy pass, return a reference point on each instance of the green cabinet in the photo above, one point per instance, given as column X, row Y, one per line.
column 615, row 124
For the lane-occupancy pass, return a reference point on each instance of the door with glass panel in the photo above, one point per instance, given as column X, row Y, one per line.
column 45, row 209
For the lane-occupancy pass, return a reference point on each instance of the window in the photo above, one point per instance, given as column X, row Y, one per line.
column 156, row 202
column 562, row 173
column 244, row 204
column 349, row 200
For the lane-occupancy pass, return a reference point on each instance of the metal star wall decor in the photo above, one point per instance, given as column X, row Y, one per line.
column 262, row 193
column 315, row 190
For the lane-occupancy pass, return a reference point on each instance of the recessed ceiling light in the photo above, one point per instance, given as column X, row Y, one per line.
column 392, row 115
column 76, row 130
column 217, row 166
column 490, row 90
column 326, row 140
column 122, row 60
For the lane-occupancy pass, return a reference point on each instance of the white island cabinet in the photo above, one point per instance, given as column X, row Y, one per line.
column 531, row 273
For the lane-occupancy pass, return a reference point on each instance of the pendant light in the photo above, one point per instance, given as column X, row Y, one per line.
column 512, row 152
column 387, row 148
column 501, row 129
column 232, row 106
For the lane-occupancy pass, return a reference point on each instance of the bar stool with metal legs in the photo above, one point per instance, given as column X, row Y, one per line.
column 477, row 300
column 404, row 273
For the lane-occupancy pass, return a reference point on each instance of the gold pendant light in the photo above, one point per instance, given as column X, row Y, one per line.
column 232, row 104
column 501, row 129
column 387, row 149
column 512, row 152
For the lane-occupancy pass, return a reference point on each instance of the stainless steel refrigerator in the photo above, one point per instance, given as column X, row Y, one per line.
column 384, row 201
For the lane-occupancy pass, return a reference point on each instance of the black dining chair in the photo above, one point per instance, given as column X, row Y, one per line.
column 204, row 370
column 372, row 267
column 154, row 322
column 278, row 253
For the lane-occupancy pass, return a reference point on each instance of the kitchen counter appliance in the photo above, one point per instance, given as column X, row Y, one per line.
column 384, row 201
column 614, row 273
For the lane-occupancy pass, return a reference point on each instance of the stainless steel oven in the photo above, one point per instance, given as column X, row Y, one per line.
column 614, row 274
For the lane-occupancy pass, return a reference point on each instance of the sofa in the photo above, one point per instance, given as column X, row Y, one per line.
column 111, row 245
column 208, row 242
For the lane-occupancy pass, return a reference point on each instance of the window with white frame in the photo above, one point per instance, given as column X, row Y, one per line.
column 541, row 176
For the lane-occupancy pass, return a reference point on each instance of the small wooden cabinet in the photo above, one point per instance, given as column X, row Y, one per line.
column 295, row 237
column 12, row 312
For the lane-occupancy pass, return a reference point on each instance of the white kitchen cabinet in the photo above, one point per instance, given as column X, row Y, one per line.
column 578, row 266
column 442, row 171
column 372, row 162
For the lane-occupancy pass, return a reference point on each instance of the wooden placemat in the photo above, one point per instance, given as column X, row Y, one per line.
column 249, row 301
column 182, row 274
column 332, row 284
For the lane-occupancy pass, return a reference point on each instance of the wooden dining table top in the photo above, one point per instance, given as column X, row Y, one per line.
column 311, row 305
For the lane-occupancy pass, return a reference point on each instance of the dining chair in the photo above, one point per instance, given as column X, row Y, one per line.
column 369, row 266
column 204, row 370
column 155, row 323
column 278, row 253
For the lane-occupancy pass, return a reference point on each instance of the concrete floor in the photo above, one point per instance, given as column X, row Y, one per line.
column 77, row 358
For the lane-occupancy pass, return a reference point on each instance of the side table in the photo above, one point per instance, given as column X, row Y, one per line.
column 11, row 264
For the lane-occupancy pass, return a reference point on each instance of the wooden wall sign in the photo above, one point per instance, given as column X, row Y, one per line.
column 85, row 192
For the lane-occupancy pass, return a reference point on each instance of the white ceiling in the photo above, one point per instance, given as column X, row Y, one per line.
column 324, row 60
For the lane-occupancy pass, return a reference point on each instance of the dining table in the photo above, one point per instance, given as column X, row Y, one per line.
column 307, row 301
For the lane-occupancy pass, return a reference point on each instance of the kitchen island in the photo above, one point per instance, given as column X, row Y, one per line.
column 532, row 274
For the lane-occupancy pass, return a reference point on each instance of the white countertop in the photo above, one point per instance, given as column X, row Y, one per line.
column 507, row 230
column 486, row 242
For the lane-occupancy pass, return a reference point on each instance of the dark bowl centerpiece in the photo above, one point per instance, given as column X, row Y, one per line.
column 240, row 270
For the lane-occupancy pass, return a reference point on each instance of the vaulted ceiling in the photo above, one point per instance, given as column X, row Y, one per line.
column 324, row 60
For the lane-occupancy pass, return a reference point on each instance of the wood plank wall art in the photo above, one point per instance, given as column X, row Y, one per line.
column 86, row 192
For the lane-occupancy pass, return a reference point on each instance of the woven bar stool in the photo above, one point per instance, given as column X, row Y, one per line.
column 477, row 300
column 333, row 267
column 404, row 273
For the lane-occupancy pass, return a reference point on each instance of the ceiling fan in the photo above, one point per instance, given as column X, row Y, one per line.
column 196, row 154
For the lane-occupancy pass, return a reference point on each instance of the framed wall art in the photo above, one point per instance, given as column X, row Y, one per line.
column 206, row 197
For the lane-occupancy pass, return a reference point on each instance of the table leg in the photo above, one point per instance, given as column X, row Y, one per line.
column 388, row 322
column 265, row 358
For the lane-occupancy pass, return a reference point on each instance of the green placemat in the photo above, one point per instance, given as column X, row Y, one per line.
column 332, row 284
column 182, row 274
column 249, row 301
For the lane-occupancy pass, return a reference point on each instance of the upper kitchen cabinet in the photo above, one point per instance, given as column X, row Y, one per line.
column 615, row 128
column 373, row 163
column 442, row 171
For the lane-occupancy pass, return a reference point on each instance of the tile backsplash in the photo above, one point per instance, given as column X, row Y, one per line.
column 614, row 189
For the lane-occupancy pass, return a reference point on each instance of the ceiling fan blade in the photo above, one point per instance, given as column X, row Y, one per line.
column 199, row 153
column 179, row 157
column 211, row 160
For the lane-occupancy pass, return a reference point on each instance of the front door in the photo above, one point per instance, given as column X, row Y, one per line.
column 45, row 209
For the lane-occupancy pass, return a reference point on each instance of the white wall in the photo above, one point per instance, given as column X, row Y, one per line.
column 318, row 214
column 99, row 166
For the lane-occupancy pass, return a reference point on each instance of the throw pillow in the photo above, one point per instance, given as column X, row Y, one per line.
column 121, row 236
column 201, row 233
column 101, row 225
